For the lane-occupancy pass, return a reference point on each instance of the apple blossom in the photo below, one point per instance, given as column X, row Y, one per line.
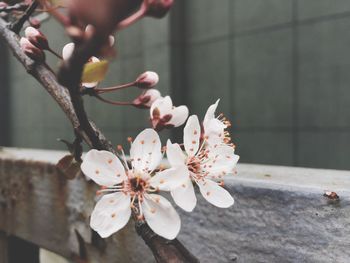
column 165, row 115
column 203, row 165
column 126, row 186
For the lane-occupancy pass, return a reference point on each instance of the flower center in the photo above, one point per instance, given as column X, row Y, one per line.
column 137, row 185
column 194, row 164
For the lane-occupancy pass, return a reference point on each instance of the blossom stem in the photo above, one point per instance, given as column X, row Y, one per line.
column 54, row 53
column 133, row 18
column 104, row 90
column 117, row 103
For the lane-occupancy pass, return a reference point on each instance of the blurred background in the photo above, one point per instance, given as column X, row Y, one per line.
column 280, row 67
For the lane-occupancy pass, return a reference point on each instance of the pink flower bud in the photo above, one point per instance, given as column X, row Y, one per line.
column 3, row 4
column 158, row 8
column 147, row 80
column 36, row 38
column 31, row 51
column 34, row 22
column 146, row 99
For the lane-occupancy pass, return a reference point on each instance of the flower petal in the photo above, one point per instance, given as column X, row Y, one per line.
column 214, row 131
column 192, row 133
column 215, row 194
column 103, row 167
column 184, row 196
column 210, row 114
column 179, row 116
column 111, row 213
column 161, row 216
column 145, row 151
column 221, row 161
column 174, row 154
column 164, row 106
column 67, row 51
column 154, row 94
column 170, row 178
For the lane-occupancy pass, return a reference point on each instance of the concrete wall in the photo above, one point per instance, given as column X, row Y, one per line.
column 280, row 66
column 279, row 215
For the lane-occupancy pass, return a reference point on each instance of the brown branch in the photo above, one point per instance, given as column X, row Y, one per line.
column 164, row 250
column 48, row 80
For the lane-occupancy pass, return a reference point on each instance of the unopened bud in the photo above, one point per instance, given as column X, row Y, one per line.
column 147, row 80
column 36, row 38
column 3, row 4
column 75, row 33
column 30, row 50
column 146, row 99
column 158, row 8
column 34, row 22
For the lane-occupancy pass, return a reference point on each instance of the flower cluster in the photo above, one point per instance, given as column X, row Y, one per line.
column 133, row 186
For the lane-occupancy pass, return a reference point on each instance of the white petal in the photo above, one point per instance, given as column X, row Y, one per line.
column 164, row 105
column 192, row 133
column 111, row 213
column 161, row 216
column 145, row 151
column 103, row 167
column 221, row 161
column 170, row 178
column 179, row 116
column 31, row 32
column 111, row 40
column 67, row 50
column 215, row 194
column 174, row 154
column 210, row 114
column 184, row 196
column 154, row 95
column 214, row 131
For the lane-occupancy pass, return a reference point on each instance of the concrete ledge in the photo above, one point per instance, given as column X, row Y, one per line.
column 280, row 214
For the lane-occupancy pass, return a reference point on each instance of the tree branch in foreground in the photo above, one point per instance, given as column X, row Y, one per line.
column 164, row 250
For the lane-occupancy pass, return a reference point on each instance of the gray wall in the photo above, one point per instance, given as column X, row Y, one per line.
column 280, row 67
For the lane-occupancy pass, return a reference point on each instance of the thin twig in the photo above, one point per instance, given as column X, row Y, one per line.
column 15, row 7
column 18, row 24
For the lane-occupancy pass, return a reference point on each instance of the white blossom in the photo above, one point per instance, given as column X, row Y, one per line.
column 203, row 165
column 134, row 188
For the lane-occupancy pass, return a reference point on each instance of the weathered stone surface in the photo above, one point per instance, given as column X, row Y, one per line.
column 280, row 215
